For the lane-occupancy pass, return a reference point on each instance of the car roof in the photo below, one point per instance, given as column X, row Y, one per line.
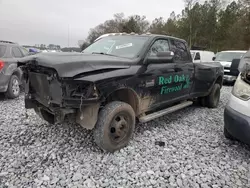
column 8, row 43
column 200, row 51
column 247, row 54
column 237, row 51
column 136, row 34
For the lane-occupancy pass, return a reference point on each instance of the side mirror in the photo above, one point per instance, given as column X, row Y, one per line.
column 161, row 57
column 213, row 58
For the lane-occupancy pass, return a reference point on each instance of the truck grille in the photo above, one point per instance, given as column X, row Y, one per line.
column 227, row 70
column 39, row 83
column 43, row 90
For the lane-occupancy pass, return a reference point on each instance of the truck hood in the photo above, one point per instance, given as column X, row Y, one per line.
column 74, row 64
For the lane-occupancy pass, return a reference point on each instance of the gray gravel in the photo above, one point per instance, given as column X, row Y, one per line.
column 196, row 154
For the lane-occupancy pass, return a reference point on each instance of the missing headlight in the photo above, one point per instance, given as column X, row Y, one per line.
column 244, row 67
column 245, row 75
column 82, row 90
column 248, row 77
column 241, row 89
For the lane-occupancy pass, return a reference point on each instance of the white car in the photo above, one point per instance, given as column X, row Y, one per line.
column 226, row 58
column 237, row 111
column 199, row 56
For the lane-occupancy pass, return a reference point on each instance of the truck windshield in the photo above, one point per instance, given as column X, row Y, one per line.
column 228, row 56
column 121, row 46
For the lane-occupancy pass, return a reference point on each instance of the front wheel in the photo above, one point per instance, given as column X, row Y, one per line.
column 115, row 126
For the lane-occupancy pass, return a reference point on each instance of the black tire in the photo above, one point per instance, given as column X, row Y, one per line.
column 213, row 99
column 116, row 118
column 13, row 90
column 228, row 135
column 203, row 102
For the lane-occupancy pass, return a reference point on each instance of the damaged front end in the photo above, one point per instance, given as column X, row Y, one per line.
column 244, row 67
column 53, row 98
column 241, row 87
column 245, row 75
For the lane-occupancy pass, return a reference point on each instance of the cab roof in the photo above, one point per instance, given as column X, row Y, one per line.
column 200, row 51
column 237, row 51
column 136, row 34
column 9, row 43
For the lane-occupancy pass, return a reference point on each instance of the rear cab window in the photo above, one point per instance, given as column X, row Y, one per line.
column 2, row 50
column 180, row 50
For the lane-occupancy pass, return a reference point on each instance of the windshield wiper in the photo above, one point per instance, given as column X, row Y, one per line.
column 102, row 53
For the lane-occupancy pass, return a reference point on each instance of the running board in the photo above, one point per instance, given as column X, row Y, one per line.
column 163, row 112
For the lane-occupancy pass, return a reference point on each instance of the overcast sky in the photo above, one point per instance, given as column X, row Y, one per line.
column 46, row 21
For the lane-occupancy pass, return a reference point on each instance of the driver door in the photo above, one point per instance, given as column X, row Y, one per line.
column 161, row 74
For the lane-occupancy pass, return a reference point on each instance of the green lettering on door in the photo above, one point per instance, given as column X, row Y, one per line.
column 165, row 81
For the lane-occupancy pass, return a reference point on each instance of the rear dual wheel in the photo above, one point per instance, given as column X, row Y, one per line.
column 115, row 126
column 213, row 99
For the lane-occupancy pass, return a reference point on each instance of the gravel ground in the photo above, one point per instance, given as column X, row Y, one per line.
column 196, row 154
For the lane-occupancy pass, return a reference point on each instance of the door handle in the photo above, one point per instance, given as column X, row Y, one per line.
column 175, row 69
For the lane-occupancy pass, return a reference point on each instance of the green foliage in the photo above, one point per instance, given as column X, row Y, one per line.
column 213, row 24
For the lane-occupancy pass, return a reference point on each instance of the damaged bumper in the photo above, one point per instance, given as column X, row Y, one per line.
column 53, row 98
column 237, row 124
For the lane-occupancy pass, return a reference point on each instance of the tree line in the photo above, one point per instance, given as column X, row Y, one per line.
column 214, row 24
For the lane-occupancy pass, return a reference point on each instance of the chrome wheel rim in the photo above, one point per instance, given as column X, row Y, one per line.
column 15, row 87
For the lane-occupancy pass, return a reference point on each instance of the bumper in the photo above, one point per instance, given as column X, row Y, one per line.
column 237, row 124
column 4, row 81
column 229, row 78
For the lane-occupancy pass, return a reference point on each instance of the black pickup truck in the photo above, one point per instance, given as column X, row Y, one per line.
column 117, row 81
